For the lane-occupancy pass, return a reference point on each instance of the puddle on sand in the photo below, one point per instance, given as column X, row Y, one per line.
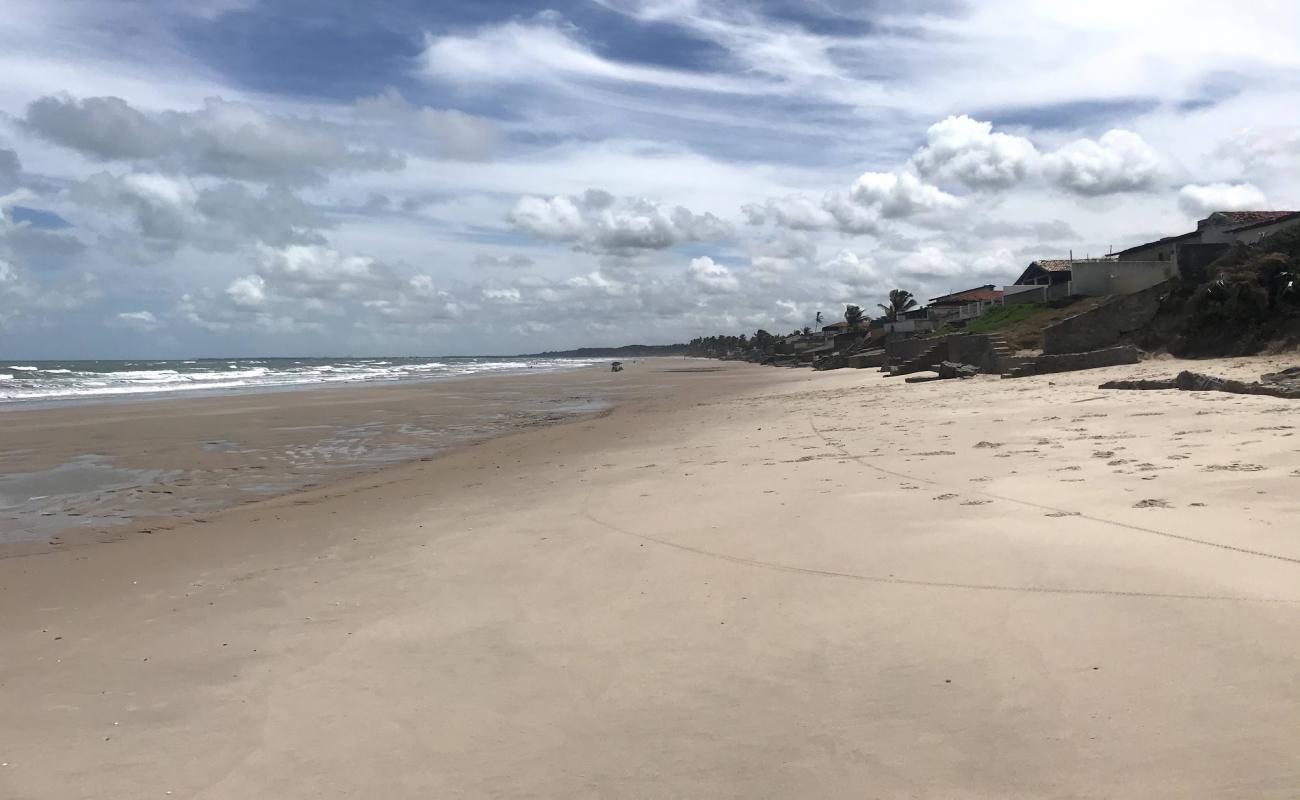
column 34, row 505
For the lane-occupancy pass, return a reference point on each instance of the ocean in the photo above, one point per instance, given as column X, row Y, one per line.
column 25, row 381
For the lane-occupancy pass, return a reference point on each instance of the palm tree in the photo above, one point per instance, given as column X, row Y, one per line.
column 900, row 301
column 853, row 316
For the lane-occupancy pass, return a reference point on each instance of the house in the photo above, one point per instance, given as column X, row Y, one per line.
column 910, row 323
column 1043, row 280
column 1046, row 272
column 843, row 326
column 1190, row 253
column 964, row 305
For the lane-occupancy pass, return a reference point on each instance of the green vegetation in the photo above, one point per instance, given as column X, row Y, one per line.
column 1001, row 317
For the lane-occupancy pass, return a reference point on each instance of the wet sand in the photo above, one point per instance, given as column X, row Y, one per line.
column 764, row 583
column 77, row 473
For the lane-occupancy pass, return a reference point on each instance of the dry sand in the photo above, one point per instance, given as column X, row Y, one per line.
column 763, row 583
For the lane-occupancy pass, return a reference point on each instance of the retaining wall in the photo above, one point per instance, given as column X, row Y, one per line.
column 1106, row 325
column 1069, row 362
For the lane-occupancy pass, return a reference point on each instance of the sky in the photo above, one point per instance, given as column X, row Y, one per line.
column 399, row 177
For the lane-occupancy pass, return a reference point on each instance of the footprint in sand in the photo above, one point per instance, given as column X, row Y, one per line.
column 976, row 502
column 988, row 445
column 1235, row 466
column 1064, row 514
column 947, row 496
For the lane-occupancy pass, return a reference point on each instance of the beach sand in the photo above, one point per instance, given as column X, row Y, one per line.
column 757, row 583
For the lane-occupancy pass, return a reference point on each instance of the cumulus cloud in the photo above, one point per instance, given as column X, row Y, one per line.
column 298, row 289
column 1200, row 200
column 900, row 194
column 225, row 139
column 1120, row 161
column 598, row 222
column 453, row 134
column 799, row 212
column 167, row 212
column 22, row 296
column 138, row 321
column 970, row 152
column 711, row 276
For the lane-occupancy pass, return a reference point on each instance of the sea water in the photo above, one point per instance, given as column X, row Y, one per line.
column 69, row 380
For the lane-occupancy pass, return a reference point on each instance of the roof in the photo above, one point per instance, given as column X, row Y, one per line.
column 1259, row 218
column 1166, row 240
column 1053, row 264
column 1246, row 219
column 978, row 294
column 844, row 325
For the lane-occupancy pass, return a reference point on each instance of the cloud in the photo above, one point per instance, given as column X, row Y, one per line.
column 23, row 297
column 711, row 276
column 138, row 321
column 900, row 194
column 598, row 222
column 453, row 134
column 799, row 212
column 1120, row 161
column 970, row 152
column 546, row 50
column 164, row 213
column 10, row 169
column 1201, row 200
column 514, row 261
column 224, row 139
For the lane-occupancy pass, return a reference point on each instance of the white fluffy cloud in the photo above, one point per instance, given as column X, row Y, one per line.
column 1120, row 161
column 712, row 277
column 900, row 194
column 598, row 222
column 970, row 152
column 1199, row 200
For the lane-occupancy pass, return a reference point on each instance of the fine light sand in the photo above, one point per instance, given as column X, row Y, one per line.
column 763, row 583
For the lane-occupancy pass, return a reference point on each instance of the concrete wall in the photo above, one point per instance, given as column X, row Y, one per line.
column 1255, row 234
column 875, row 358
column 1106, row 325
column 1162, row 251
column 1101, row 277
column 1106, row 357
column 899, row 350
column 1024, row 293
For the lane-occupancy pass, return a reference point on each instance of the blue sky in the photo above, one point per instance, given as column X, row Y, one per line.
column 262, row 177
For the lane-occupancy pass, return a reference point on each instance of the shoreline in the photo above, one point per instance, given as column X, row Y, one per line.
column 811, row 584
column 97, row 471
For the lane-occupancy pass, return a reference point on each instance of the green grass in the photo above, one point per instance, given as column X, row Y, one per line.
column 1000, row 317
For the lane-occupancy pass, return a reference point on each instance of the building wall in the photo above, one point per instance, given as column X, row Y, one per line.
column 1101, row 277
column 1022, row 294
column 1153, row 252
column 1255, row 234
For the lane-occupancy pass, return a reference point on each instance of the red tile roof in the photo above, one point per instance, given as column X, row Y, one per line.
column 980, row 293
column 1264, row 218
column 1247, row 218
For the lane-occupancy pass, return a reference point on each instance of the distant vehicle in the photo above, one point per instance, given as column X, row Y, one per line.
column 617, row 366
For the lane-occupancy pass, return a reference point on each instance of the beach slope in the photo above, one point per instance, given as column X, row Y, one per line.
column 831, row 585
